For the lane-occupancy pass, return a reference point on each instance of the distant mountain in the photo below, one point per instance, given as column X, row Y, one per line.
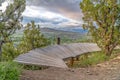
column 72, row 30
column 54, row 33
column 53, row 24
column 49, row 32
column 76, row 29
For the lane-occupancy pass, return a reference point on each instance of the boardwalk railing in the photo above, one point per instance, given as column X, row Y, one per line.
column 55, row 55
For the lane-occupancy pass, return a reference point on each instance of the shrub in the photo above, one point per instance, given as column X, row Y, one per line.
column 9, row 71
column 9, row 52
column 92, row 59
column 32, row 38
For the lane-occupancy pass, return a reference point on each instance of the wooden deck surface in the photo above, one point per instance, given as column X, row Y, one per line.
column 54, row 55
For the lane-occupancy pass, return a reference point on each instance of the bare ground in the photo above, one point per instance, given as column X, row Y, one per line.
column 109, row 70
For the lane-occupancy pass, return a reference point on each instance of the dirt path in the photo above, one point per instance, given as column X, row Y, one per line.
column 109, row 70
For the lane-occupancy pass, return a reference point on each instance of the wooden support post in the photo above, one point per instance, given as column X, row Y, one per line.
column 77, row 58
column 58, row 40
column 72, row 61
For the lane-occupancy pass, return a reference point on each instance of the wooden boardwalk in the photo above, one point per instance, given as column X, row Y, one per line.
column 55, row 55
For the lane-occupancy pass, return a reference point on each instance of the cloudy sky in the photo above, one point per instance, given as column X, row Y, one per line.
column 53, row 13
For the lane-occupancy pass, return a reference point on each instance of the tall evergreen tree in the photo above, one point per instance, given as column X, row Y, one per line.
column 102, row 19
column 10, row 20
column 32, row 38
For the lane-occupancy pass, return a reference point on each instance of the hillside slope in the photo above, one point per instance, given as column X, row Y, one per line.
column 48, row 32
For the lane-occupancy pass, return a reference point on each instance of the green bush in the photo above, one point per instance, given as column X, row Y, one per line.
column 32, row 38
column 9, row 71
column 9, row 52
column 91, row 59
column 94, row 58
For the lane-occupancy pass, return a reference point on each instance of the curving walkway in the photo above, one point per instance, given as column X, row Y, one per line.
column 54, row 55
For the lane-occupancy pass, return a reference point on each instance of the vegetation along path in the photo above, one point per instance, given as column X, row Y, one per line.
column 109, row 70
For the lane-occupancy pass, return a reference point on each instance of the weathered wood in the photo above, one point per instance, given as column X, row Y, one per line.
column 40, row 59
column 54, row 55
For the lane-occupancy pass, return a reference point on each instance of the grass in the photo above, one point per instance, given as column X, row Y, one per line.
column 33, row 67
column 9, row 71
column 93, row 59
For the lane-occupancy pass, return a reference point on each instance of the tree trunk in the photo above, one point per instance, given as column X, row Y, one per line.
column 108, row 50
column 0, row 51
column 108, row 53
column 1, row 43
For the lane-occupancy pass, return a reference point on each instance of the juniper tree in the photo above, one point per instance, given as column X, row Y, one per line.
column 102, row 20
column 10, row 20
column 32, row 38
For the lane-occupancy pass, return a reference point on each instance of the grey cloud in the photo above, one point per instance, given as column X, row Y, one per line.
column 54, row 21
column 68, row 8
column 1, row 1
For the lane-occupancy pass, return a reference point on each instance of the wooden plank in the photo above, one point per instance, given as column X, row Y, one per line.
column 54, row 50
column 40, row 60
column 54, row 55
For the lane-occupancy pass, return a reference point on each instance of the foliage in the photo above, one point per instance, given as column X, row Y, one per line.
column 102, row 19
column 10, row 20
column 91, row 59
column 9, row 71
column 9, row 52
column 68, row 40
column 94, row 58
column 32, row 38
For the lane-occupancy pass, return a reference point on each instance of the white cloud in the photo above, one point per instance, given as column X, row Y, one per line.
column 39, row 12
column 72, row 23
column 3, row 6
column 42, row 13
column 48, row 25
column 32, row 11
